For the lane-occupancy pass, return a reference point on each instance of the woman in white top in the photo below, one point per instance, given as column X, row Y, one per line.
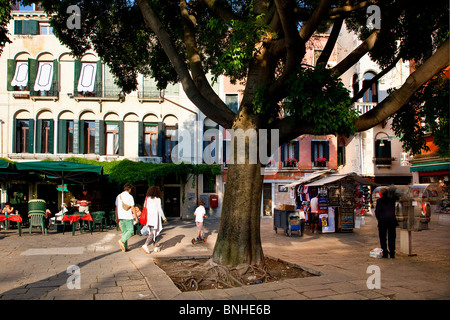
column 154, row 216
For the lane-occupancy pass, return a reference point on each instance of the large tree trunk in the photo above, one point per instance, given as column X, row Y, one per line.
column 239, row 240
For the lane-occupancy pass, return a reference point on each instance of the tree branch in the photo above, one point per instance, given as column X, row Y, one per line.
column 326, row 53
column 432, row 66
column 313, row 22
column 344, row 11
column 356, row 54
column 219, row 9
column 219, row 113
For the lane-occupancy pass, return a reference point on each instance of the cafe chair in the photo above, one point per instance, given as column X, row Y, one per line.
column 99, row 219
column 37, row 219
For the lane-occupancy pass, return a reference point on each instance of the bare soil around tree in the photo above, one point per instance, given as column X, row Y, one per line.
column 203, row 273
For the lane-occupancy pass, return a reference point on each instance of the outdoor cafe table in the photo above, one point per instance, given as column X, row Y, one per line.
column 13, row 217
column 74, row 220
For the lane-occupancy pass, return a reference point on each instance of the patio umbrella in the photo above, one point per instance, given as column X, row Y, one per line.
column 64, row 170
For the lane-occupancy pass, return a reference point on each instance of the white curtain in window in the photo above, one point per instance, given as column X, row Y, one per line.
column 44, row 77
column 21, row 74
column 86, row 83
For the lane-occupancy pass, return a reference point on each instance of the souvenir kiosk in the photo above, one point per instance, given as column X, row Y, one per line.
column 343, row 200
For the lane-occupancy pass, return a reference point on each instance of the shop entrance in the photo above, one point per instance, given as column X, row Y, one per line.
column 171, row 202
column 267, row 199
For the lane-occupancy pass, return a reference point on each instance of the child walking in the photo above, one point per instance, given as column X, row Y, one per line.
column 199, row 214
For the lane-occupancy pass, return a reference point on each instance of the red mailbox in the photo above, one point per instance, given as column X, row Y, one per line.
column 213, row 201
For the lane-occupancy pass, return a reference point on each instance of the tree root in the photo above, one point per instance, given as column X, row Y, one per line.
column 222, row 276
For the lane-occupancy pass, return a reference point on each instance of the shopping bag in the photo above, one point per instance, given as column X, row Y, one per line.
column 144, row 230
column 376, row 253
column 143, row 217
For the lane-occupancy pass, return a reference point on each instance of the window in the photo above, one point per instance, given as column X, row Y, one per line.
column 26, row 27
column 151, row 139
column 89, row 137
column 231, row 100
column 290, row 154
column 341, row 152
column 383, row 152
column 112, row 138
column 371, row 95
column 209, row 150
column 170, row 142
column 45, row 29
column 320, row 152
column 44, row 76
column 23, row 136
column 88, row 79
column 209, row 183
column 19, row 80
column 317, row 53
column 69, row 136
column 355, row 84
column 45, row 138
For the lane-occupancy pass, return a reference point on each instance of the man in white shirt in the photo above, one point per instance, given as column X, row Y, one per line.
column 124, row 213
column 314, row 214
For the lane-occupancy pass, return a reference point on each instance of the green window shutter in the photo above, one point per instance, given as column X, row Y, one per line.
column 32, row 74
column 100, row 137
column 51, row 136
column 38, row 136
column 55, row 87
column 30, row 27
column 161, row 136
column 31, row 135
column 18, row 26
column 76, row 77
column 141, row 138
column 98, row 79
column 80, row 136
column 10, row 74
column 62, row 136
column 121, row 138
column 14, row 136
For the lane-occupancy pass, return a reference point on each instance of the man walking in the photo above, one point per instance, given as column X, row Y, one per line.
column 124, row 214
column 387, row 222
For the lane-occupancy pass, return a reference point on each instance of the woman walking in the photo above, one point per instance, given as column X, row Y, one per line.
column 154, row 217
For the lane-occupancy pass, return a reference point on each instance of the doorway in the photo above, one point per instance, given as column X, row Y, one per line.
column 267, row 199
column 171, row 201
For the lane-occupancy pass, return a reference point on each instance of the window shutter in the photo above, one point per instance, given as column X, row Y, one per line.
column 14, row 136
column 121, row 138
column 32, row 73
column 31, row 135
column 76, row 76
column 10, row 74
column 205, row 147
column 141, row 138
column 161, row 135
column 98, row 79
column 313, row 151
column 326, row 151
column 283, row 157
column 297, row 150
column 18, row 26
column 80, row 136
column 62, row 136
column 38, row 136
column 51, row 136
column 100, row 137
column 30, row 27
column 55, row 87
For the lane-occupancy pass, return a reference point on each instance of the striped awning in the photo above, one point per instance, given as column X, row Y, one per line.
column 430, row 166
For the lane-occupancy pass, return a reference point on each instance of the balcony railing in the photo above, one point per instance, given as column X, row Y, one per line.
column 363, row 107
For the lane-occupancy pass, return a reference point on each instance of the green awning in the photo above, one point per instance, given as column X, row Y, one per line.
column 430, row 166
column 6, row 165
column 58, row 168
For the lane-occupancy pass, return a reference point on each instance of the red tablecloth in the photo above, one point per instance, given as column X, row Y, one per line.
column 15, row 218
column 76, row 217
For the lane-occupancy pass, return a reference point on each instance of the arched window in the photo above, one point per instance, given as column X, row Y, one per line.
column 371, row 95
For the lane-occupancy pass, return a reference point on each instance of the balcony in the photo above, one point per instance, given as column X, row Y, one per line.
column 383, row 162
column 150, row 95
column 363, row 107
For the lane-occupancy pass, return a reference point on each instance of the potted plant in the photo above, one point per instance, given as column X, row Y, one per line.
column 321, row 162
column 291, row 162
